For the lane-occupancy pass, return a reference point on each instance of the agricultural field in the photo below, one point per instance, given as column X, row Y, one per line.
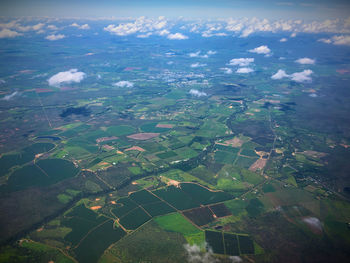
column 165, row 148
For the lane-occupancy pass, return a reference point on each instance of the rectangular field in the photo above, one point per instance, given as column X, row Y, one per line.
column 134, row 218
column 177, row 198
column 158, row 208
column 220, row 210
column 200, row 216
column 215, row 241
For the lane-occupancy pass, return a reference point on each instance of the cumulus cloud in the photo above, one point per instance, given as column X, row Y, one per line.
column 52, row 27
column 303, row 76
column 245, row 27
column 141, row 25
column 261, row 50
column 177, row 36
column 70, row 76
column 83, row 27
column 242, row 62
column 164, row 32
column 244, row 70
column 197, row 93
column 194, row 54
column 280, row 74
column 313, row 222
column 124, row 84
column 144, row 35
column 305, row 61
column 227, row 70
column 195, row 255
column 283, row 39
column 198, row 54
column 337, row 40
column 235, row 259
column 10, row 96
column 197, row 65
column 54, row 37
column 7, row 33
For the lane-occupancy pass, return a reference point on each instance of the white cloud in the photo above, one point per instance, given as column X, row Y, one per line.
column 7, row 33
column 70, row 76
column 10, row 96
column 227, row 70
column 235, row 259
column 194, row 54
column 242, row 62
column 198, row 54
column 245, row 27
column 164, row 32
column 325, row 40
column 144, row 35
column 54, row 37
column 124, row 84
column 314, row 222
column 307, row 61
column 303, row 76
column 141, row 25
column 196, row 255
column 260, row 50
column 52, row 27
column 244, row 70
column 280, row 74
column 197, row 65
column 337, row 40
column 83, row 27
column 283, row 39
column 197, row 93
column 177, row 36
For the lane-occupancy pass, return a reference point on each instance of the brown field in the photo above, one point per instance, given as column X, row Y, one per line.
column 108, row 147
column 169, row 126
column 95, row 207
column 235, row 142
column 259, row 164
column 135, row 148
column 105, row 139
column 314, row 154
column 143, row 136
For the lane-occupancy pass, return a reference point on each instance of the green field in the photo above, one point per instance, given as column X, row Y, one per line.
column 43, row 173
column 177, row 198
column 158, row 208
column 203, row 195
column 81, row 220
column 143, row 197
column 134, row 218
column 123, row 206
column 176, row 223
column 93, row 246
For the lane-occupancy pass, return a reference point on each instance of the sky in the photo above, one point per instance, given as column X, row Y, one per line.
column 270, row 9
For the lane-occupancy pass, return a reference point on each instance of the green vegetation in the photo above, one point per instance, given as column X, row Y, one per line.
column 143, row 197
column 93, row 246
column 120, row 130
column 176, row 223
column 158, row 208
column 134, row 218
column 81, row 220
column 150, row 243
column 177, row 198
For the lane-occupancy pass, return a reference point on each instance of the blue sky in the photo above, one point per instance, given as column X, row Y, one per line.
column 271, row 9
